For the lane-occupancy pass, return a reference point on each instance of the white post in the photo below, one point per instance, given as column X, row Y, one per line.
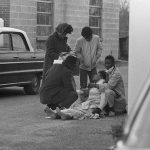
column 1, row 22
column 139, row 47
column 1, row 36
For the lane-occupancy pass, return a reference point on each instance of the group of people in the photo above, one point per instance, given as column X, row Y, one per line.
column 106, row 93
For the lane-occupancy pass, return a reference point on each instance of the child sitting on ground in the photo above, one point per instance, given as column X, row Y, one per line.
column 95, row 96
column 88, row 109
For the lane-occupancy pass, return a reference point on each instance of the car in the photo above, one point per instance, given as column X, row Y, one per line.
column 136, row 132
column 20, row 64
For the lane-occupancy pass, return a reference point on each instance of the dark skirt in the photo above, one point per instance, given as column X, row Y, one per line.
column 59, row 96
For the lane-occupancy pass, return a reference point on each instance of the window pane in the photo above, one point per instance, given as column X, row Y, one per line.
column 49, row 19
column 44, row 7
column 95, row 21
column 40, row 19
column 96, row 2
column 18, row 43
column 94, row 11
column 4, row 42
column 43, row 30
column 45, row 19
column 96, row 31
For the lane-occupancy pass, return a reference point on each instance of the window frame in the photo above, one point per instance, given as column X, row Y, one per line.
column 10, row 42
column 40, row 37
column 23, row 39
column 96, row 16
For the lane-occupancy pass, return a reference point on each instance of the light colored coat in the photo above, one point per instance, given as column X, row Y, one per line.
column 116, row 84
column 88, row 52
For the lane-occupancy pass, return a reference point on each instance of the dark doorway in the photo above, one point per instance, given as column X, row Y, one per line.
column 123, row 48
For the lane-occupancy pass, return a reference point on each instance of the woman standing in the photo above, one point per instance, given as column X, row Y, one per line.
column 55, row 44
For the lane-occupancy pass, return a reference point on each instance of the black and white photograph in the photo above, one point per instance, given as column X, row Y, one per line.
column 74, row 74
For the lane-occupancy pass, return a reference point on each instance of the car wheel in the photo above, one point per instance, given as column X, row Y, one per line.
column 33, row 88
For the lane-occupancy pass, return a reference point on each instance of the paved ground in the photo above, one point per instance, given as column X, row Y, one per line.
column 23, row 125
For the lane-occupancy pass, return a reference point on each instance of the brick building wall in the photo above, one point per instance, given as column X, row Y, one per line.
column 110, row 28
column 4, row 11
column 74, row 12
column 23, row 16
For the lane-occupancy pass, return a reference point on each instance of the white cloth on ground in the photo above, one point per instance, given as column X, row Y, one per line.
column 82, row 110
column 95, row 97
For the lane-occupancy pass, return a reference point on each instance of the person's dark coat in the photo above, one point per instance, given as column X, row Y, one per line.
column 58, row 87
column 55, row 44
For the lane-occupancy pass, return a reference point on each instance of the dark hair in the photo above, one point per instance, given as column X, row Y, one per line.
column 69, row 29
column 110, row 57
column 86, row 32
column 64, row 28
column 70, row 62
column 103, row 74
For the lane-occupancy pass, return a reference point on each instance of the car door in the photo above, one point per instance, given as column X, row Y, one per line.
column 39, row 56
column 26, row 58
column 8, row 61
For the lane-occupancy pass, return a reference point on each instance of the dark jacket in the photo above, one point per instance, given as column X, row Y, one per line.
column 59, row 77
column 54, row 46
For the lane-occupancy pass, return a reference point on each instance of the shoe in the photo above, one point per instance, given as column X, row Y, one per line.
column 121, row 113
column 102, row 114
column 52, row 106
column 111, row 114
column 96, row 116
column 50, row 113
column 63, row 115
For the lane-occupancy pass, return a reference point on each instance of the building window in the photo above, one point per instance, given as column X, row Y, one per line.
column 44, row 19
column 95, row 16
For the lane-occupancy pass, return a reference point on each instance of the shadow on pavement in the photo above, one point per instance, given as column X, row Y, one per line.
column 11, row 91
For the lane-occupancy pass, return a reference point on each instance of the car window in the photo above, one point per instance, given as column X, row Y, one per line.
column 140, row 134
column 18, row 43
column 5, row 42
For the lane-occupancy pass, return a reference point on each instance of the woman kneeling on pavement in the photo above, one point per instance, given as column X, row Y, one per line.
column 58, row 88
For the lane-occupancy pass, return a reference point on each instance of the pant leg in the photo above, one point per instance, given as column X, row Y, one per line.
column 103, row 101
column 70, row 99
column 91, row 74
column 47, row 94
column 83, row 78
column 65, row 98
column 110, row 97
